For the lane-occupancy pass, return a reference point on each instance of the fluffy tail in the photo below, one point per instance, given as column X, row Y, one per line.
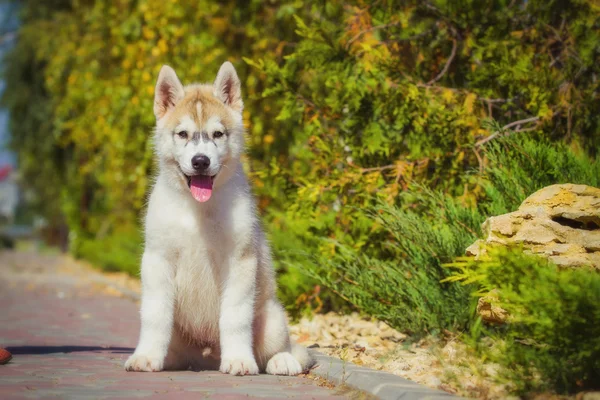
column 301, row 354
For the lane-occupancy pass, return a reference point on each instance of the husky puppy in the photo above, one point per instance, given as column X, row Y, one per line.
column 208, row 284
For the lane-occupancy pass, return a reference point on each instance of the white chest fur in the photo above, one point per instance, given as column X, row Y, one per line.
column 200, row 241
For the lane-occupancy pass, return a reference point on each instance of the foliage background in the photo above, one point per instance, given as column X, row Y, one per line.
column 374, row 129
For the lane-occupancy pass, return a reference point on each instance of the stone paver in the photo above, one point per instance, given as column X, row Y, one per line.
column 70, row 341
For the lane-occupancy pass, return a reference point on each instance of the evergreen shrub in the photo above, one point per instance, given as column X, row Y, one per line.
column 550, row 342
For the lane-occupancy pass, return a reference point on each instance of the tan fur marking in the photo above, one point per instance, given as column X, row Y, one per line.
column 198, row 113
column 200, row 104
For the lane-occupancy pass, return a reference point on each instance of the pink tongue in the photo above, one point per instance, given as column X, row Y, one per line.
column 201, row 187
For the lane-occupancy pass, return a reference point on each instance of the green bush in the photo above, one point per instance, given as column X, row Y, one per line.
column 396, row 276
column 401, row 284
column 551, row 339
column 116, row 252
column 402, row 277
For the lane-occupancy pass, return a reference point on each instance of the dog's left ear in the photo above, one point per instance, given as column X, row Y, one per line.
column 227, row 87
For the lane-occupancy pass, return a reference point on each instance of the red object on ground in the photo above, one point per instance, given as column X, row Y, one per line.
column 5, row 172
column 5, row 356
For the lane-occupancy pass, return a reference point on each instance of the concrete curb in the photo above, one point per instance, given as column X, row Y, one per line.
column 381, row 384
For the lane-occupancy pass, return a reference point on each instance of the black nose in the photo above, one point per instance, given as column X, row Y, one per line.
column 200, row 162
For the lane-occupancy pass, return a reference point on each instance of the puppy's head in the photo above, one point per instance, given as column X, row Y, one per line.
column 199, row 130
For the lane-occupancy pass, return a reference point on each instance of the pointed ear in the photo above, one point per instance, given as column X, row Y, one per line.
column 168, row 91
column 227, row 87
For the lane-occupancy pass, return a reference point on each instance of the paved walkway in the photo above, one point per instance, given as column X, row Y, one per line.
column 69, row 339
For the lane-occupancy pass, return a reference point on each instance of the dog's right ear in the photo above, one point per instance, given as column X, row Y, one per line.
column 168, row 91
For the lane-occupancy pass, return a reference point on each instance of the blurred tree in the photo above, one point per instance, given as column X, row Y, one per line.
column 346, row 104
column 41, row 160
column 80, row 96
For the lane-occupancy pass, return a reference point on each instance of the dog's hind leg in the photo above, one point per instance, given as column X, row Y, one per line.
column 274, row 351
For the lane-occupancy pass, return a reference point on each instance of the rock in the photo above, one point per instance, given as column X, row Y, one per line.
column 560, row 222
column 591, row 396
column 489, row 311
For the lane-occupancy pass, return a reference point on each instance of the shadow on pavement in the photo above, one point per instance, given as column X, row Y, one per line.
column 67, row 349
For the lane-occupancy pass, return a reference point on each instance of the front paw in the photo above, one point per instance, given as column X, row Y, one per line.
column 239, row 366
column 283, row 364
column 144, row 362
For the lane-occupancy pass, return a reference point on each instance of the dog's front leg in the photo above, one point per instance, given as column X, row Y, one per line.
column 237, row 315
column 156, row 314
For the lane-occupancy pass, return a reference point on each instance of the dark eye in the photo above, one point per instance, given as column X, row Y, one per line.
column 182, row 134
column 217, row 134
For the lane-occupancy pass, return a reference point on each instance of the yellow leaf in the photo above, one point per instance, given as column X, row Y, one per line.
column 367, row 65
column 148, row 33
column 162, row 45
column 469, row 101
column 448, row 95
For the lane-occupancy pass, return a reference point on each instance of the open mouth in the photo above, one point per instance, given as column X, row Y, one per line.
column 200, row 186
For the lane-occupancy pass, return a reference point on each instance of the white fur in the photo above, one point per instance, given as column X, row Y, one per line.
column 208, row 285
